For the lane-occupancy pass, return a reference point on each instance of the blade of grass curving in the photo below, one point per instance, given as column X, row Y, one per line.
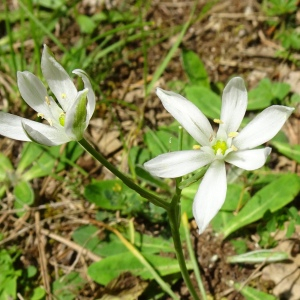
column 141, row 258
column 162, row 66
column 10, row 37
column 42, row 27
column 185, row 225
column 34, row 32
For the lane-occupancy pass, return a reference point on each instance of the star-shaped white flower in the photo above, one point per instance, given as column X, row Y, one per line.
column 227, row 145
column 67, row 121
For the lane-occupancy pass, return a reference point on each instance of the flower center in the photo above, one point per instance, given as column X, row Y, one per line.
column 220, row 147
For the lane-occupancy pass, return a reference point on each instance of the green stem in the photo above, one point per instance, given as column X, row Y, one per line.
column 156, row 200
column 173, row 213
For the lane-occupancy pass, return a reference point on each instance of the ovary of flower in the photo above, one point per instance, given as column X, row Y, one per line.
column 226, row 145
column 67, row 119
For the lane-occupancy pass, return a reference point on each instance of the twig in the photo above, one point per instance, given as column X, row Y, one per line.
column 43, row 261
column 72, row 245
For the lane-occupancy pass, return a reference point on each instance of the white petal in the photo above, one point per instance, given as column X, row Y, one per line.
column 11, row 127
column 234, row 104
column 188, row 115
column 91, row 96
column 263, row 127
column 210, row 195
column 44, row 134
column 76, row 120
column 249, row 159
column 179, row 163
column 35, row 94
column 58, row 80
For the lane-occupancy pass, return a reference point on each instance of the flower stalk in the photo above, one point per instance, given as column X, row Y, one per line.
column 156, row 200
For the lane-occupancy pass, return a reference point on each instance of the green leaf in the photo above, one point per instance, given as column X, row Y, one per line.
column 194, row 68
column 206, row 100
column 5, row 167
column 39, row 293
column 111, row 267
column 291, row 151
column 111, row 245
column 29, row 154
column 86, row 24
column 258, row 256
column 24, row 196
column 266, row 92
column 252, row 294
column 8, row 276
column 113, row 195
column 67, row 287
column 270, row 198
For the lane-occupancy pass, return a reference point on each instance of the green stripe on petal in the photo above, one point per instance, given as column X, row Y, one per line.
column 75, row 122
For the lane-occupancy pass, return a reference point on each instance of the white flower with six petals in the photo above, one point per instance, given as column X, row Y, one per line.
column 67, row 121
column 227, row 145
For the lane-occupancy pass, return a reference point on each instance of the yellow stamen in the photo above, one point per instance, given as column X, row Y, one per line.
column 234, row 148
column 40, row 115
column 218, row 121
column 47, row 100
column 233, row 134
column 63, row 95
column 196, row 147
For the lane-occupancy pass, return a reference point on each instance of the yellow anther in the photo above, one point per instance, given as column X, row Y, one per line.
column 196, row 147
column 63, row 95
column 218, row 121
column 234, row 148
column 47, row 100
column 233, row 134
column 40, row 115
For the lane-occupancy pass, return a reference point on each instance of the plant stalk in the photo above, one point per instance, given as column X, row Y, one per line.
column 156, row 200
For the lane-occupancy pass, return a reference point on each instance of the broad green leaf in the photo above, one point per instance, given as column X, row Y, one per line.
column 39, row 293
column 270, row 198
column 5, row 167
column 43, row 159
column 5, row 163
column 86, row 237
column 111, row 245
column 109, row 268
column 265, row 93
column 29, row 153
column 67, row 287
column 160, row 142
column 206, row 100
column 86, row 23
column 291, row 151
column 194, row 68
column 258, row 256
column 252, row 294
column 24, row 196
column 8, row 276
column 113, row 195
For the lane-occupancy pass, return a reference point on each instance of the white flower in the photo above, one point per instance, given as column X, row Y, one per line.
column 227, row 145
column 67, row 121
